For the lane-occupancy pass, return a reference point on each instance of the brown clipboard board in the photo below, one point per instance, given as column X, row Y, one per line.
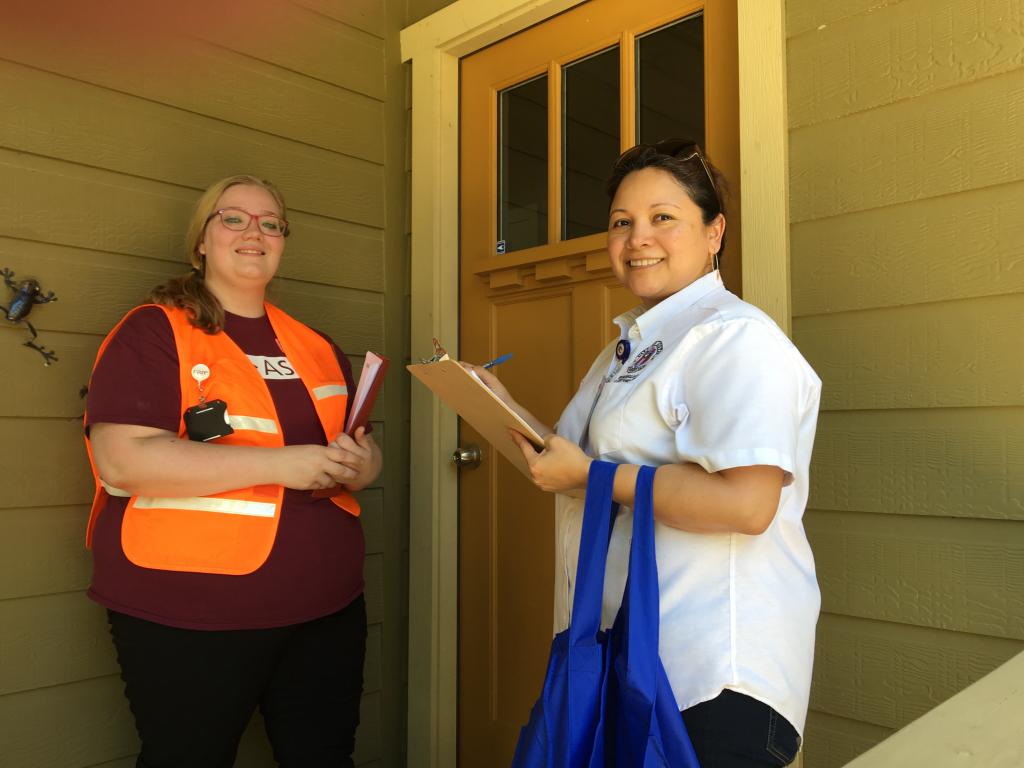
column 469, row 397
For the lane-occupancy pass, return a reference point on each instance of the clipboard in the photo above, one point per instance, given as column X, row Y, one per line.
column 469, row 397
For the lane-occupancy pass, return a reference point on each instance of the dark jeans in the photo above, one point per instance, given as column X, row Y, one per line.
column 193, row 692
column 733, row 730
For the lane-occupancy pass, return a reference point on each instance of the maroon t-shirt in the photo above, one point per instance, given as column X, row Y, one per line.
column 316, row 565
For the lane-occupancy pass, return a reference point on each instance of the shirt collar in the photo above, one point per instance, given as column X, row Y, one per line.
column 637, row 322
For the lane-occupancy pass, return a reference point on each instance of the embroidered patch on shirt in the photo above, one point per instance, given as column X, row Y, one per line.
column 644, row 357
column 275, row 368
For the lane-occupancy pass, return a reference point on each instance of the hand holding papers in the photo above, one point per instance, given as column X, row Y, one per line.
column 469, row 397
column 370, row 380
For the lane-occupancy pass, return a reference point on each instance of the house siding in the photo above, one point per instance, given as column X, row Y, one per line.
column 906, row 211
column 109, row 129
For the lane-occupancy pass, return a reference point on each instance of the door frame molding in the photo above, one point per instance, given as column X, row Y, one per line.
column 434, row 45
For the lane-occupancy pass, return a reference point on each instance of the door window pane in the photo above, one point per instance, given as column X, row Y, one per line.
column 523, row 165
column 590, row 140
column 670, row 82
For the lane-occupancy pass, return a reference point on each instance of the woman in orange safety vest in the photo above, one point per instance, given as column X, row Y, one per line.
column 212, row 417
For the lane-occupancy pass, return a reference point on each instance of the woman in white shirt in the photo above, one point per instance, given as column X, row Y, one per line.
column 709, row 390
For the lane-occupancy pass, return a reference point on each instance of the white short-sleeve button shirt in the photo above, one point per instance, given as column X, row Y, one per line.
column 713, row 381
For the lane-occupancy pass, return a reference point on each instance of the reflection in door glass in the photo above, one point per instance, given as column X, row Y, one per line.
column 523, row 165
column 670, row 82
column 590, row 140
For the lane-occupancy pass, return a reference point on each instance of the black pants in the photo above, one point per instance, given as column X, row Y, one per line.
column 733, row 730
column 193, row 692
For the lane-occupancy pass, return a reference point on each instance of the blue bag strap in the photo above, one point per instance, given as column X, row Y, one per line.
column 588, row 591
column 640, row 602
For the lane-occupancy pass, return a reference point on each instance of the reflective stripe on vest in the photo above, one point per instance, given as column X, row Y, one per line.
column 112, row 491
column 329, row 390
column 253, row 424
column 209, row 504
column 197, row 503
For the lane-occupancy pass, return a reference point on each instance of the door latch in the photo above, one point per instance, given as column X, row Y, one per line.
column 468, row 457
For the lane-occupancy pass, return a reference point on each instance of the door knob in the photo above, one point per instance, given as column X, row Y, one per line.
column 468, row 457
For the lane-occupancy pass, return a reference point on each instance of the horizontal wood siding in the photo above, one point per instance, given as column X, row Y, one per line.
column 907, row 203
column 113, row 121
column 838, row 740
column 950, row 462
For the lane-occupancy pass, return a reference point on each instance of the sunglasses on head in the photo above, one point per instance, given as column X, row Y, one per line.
column 680, row 149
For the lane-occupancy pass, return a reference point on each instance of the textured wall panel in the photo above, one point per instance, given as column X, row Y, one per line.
column 889, row 674
column 59, row 117
column 945, row 142
column 912, row 49
column 832, row 742
column 51, row 535
column 907, row 197
column 367, row 15
column 67, row 726
column 964, row 575
column 213, row 81
column 957, row 246
column 312, row 44
column 964, row 462
column 806, row 15
column 965, row 353
column 51, row 640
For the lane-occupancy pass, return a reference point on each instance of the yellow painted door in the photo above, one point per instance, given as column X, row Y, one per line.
column 544, row 114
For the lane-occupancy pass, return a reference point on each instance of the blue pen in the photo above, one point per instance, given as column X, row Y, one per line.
column 497, row 361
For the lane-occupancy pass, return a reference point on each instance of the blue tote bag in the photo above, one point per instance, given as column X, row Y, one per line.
column 606, row 699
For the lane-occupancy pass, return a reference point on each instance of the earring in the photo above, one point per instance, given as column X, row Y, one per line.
column 714, row 261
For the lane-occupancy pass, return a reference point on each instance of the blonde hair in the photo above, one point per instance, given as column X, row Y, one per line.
column 189, row 291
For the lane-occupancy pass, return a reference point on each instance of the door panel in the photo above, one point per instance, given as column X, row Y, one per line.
column 549, row 297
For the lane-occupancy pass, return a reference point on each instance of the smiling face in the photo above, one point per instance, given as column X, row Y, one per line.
column 246, row 260
column 658, row 242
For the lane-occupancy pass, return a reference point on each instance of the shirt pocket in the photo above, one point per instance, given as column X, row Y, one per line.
column 677, row 416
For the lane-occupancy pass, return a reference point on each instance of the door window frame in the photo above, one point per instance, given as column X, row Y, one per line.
column 434, row 46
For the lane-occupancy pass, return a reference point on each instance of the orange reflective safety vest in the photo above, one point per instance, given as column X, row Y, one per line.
column 231, row 532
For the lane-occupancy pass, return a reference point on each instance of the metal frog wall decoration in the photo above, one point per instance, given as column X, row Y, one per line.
column 27, row 293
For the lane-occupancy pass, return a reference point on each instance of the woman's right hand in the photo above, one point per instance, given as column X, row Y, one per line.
column 490, row 381
column 312, row 467
column 494, row 384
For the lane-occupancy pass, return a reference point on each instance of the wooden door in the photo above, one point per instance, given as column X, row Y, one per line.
column 544, row 114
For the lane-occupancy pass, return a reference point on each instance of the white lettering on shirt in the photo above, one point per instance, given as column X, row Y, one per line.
column 275, row 368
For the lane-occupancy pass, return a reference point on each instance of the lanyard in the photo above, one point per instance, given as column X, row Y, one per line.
column 621, row 356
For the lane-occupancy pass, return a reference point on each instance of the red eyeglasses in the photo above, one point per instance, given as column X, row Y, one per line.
column 238, row 220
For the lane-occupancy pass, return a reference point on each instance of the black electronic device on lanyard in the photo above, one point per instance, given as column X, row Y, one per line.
column 208, row 420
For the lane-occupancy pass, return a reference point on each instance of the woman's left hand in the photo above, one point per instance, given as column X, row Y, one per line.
column 361, row 456
column 560, row 468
